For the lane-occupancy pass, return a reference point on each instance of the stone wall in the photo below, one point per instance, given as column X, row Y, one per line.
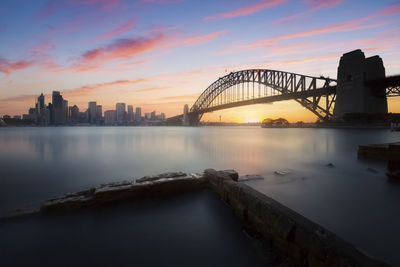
column 305, row 242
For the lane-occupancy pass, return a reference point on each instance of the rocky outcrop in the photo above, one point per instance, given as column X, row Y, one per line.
column 154, row 186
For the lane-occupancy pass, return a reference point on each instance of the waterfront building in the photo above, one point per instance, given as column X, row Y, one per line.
column 120, row 112
column 92, row 112
column 138, row 114
column 130, row 113
column 153, row 115
column 18, row 117
column 74, row 113
column 99, row 113
column 58, row 109
column 110, row 117
column 147, row 116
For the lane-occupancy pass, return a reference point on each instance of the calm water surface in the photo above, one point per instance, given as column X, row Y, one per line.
column 358, row 204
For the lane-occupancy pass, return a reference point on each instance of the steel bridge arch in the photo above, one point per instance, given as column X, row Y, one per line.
column 287, row 86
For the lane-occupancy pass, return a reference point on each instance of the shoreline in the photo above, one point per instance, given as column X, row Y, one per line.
column 303, row 241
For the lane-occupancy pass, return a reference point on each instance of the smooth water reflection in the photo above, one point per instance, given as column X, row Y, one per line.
column 352, row 201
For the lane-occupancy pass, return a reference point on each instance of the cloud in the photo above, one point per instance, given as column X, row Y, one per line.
column 318, row 4
column 119, row 49
column 8, row 67
column 88, row 89
column 191, row 97
column 126, row 27
column 202, row 38
column 315, row 6
column 248, row 10
column 152, row 89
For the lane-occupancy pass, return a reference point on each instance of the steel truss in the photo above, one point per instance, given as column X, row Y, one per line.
column 255, row 86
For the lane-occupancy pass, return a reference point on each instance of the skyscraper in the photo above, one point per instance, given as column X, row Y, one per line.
column 92, row 112
column 130, row 113
column 58, row 108
column 138, row 114
column 120, row 109
column 99, row 113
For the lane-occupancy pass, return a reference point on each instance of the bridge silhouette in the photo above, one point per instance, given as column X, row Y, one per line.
column 256, row 86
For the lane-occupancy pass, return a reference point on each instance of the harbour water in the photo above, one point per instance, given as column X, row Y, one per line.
column 351, row 197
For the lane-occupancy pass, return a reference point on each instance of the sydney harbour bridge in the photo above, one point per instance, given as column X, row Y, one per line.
column 361, row 87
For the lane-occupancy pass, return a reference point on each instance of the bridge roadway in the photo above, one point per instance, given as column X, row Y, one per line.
column 269, row 99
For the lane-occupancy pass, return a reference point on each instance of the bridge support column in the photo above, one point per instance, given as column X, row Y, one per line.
column 352, row 95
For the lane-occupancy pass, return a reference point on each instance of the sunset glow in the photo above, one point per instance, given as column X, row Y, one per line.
column 162, row 54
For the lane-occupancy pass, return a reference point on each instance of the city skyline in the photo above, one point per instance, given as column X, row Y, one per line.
column 58, row 112
column 138, row 52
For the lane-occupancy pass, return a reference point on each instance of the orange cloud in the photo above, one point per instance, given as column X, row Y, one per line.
column 261, row 5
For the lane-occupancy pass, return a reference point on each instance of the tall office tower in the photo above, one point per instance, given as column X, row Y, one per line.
column 92, row 112
column 99, row 113
column 120, row 109
column 65, row 108
column 130, row 113
column 40, row 103
column 58, row 109
column 153, row 115
column 109, row 117
column 138, row 114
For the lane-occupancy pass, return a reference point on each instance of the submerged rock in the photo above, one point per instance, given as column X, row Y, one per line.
column 330, row 165
column 281, row 172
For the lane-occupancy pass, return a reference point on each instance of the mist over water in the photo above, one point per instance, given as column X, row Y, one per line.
column 357, row 203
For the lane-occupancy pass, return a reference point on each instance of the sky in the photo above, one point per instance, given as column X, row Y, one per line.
column 162, row 54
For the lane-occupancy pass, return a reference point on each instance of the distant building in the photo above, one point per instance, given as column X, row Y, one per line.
column 138, row 114
column 130, row 113
column 25, row 117
column 73, row 113
column 161, row 117
column 99, row 113
column 147, row 116
column 120, row 112
column 6, row 117
column 153, row 115
column 92, row 112
column 18, row 117
column 110, row 117
column 58, row 110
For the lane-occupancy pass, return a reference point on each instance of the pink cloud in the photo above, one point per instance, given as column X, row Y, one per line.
column 120, row 49
column 315, row 5
column 88, row 89
column 203, row 38
column 8, row 67
column 248, row 10
column 318, row 4
column 126, row 27
column 388, row 11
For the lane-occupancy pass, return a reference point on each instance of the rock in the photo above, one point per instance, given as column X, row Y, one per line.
column 330, row 165
column 281, row 172
column 250, row 177
column 160, row 176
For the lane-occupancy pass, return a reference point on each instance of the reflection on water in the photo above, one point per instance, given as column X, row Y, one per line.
column 360, row 205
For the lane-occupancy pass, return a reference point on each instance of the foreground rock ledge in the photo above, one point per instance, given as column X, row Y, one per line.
column 305, row 242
